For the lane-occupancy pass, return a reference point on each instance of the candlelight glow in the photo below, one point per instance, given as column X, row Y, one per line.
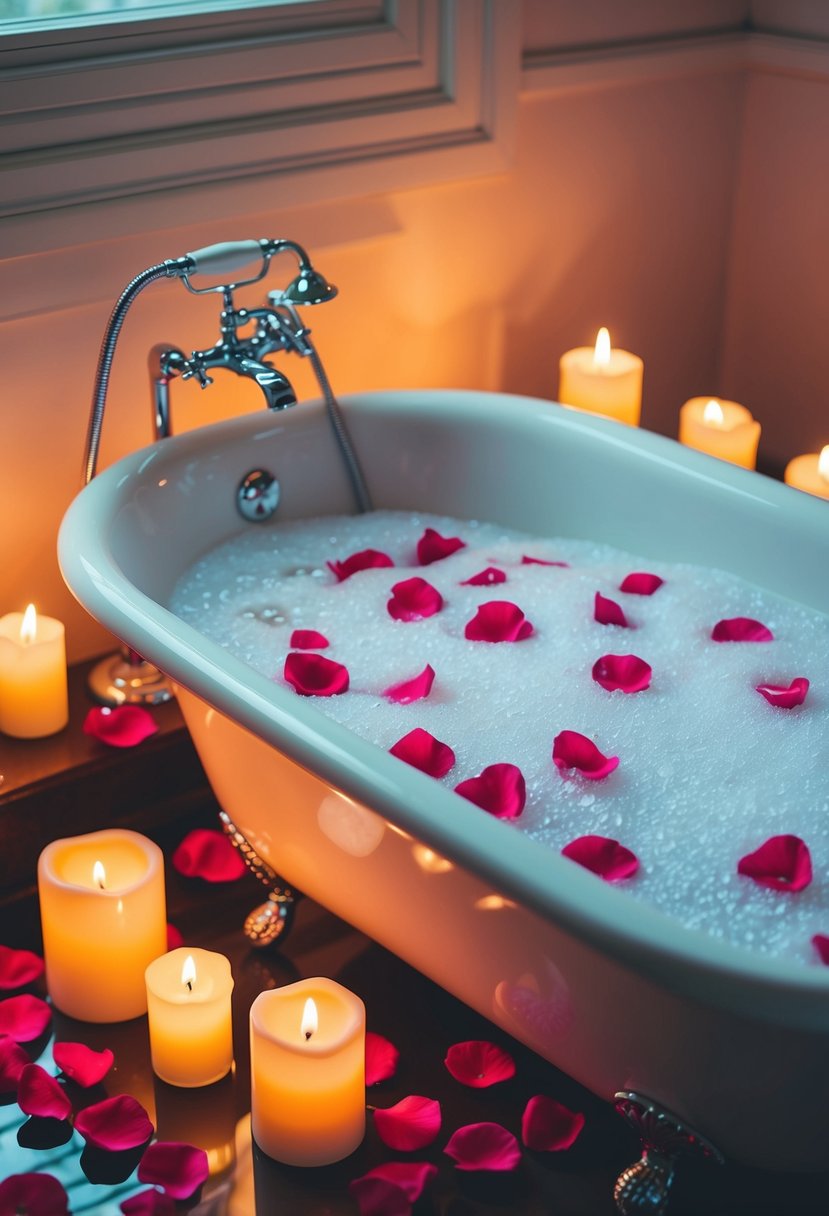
column 712, row 415
column 823, row 462
column 310, row 1022
column 99, row 875
column 28, row 626
column 601, row 354
column 188, row 972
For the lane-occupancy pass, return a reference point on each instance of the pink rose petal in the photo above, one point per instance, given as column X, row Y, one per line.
column 741, row 629
column 149, row 1203
column 622, row 673
column 411, row 1177
column 782, row 697
column 541, row 561
column 33, row 1195
column 602, row 856
column 820, row 941
column 24, row 1018
column 432, row 547
column 410, row 1124
column 608, row 612
column 412, row 690
column 377, row 1197
column 312, row 675
column 498, row 621
column 175, row 937
column 179, row 1168
column 381, row 1058
column 479, row 1063
column 39, row 1094
column 308, row 639
column 486, row 578
column 115, row 1124
column 549, row 1127
column 424, row 751
column 18, row 968
column 781, row 862
column 205, row 853
column 500, row 789
column 366, row 559
column 81, row 1064
column 484, row 1146
column 413, row 600
column 122, row 726
column 641, row 583
column 572, row 750
column 13, row 1059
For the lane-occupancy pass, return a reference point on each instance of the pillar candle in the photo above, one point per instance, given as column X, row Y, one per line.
column 188, row 1009
column 720, row 428
column 810, row 473
column 33, row 696
column 103, row 913
column 602, row 381
column 308, row 1100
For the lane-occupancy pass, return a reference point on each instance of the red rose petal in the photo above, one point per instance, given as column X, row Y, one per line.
column 377, row 1197
column 479, row 1064
column 13, row 1059
column 81, row 1064
column 381, row 1058
column 820, row 941
column 366, row 559
column 115, row 1124
column 741, row 629
column 432, row 547
column 781, row 862
column 410, row 1124
column 602, row 856
column 412, row 690
column 312, row 675
column 413, row 600
column 179, row 1168
column 622, row 673
column 500, row 789
column 149, row 1203
column 641, row 583
column 498, row 621
column 485, row 578
column 484, row 1146
column 541, row 561
column 39, row 1094
column 411, row 1177
column 24, row 1018
column 308, row 639
column 572, row 750
column 121, row 726
column 205, row 853
column 608, row 612
column 424, row 751
column 34, row 1195
column 782, row 697
column 175, row 937
column 19, row 967
column 549, row 1127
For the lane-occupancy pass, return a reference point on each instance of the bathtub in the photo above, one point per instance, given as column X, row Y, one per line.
column 610, row 991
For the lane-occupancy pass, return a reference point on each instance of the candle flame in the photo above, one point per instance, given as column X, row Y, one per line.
column 601, row 353
column 99, row 875
column 310, row 1021
column 188, row 972
column 823, row 462
column 712, row 415
column 28, row 626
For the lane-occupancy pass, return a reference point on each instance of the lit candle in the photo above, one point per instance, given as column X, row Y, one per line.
column 33, row 697
column 602, row 380
column 810, row 473
column 188, row 1008
column 720, row 428
column 103, row 913
column 307, row 1045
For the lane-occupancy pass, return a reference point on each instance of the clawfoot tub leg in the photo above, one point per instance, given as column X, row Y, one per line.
column 645, row 1186
column 271, row 921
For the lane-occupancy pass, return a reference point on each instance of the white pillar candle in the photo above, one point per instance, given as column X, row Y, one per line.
column 810, row 472
column 307, row 1046
column 103, row 914
column 602, row 380
column 33, row 695
column 189, row 1014
column 721, row 428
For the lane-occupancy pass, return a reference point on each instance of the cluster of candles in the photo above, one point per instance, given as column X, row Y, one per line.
column 103, row 914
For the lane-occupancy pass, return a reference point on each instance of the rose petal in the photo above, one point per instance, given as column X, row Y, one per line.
column 541, row 561
column 498, row 621
column 820, row 941
column 782, row 697
column 205, row 853
column 572, row 750
column 19, row 967
column 13, row 1059
column 115, row 1124
column 602, row 856
column 308, row 639
column 149, row 1203
column 500, row 789
column 410, row 1177
column 781, row 862
column 377, row 1197
column 179, row 1168
column 484, row 1146
column 121, row 726
column 381, row 1058
column 81, row 1064
column 412, row 690
column 608, row 612
column 413, row 600
column 549, row 1127
column 741, row 629
column 641, row 583
column 432, row 547
column 424, row 751
column 39, row 1094
column 485, row 578
column 479, row 1064
column 410, row 1124
column 24, row 1018
column 366, row 559
column 622, row 673
column 175, row 938
column 34, row 1195
column 312, row 675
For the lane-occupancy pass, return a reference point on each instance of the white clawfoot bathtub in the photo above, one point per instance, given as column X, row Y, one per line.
column 612, row 992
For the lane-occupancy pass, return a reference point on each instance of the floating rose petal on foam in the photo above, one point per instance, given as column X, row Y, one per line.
column 81, row 1064
column 741, row 629
column 175, row 937
column 115, row 1124
column 498, row 621
column 122, row 726
column 781, row 862
column 479, row 1063
column 312, row 675
column 541, row 561
column 39, row 1094
column 486, row 578
column 484, row 1146
column 19, row 967
column 24, row 1018
column 381, row 1058
column 391, row 1189
column 432, row 547
column 782, row 697
column 622, row 673
column 366, row 559
column 608, row 612
column 641, row 583
column 13, row 1059
column 149, row 1203
column 205, row 853
column 424, row 751
column 412, row 690
column 308, row 639
column 572, row 750
column 33, row 1195
column 500, row 789
column 549, row 1127
column 179, row 1168
column 413, row 600
column 820, row 941
column 410, row 1124
column 602, row 856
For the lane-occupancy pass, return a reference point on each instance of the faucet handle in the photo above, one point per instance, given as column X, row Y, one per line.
column 193, row 367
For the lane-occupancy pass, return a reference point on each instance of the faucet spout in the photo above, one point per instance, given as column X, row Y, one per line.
column 276, row 387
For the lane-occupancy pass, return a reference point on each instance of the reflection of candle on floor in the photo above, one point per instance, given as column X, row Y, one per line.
column 188, row 1009
column 33, row 697
column 810, row 473
column 204, row 1118
column 602, row 380
column 720, row 428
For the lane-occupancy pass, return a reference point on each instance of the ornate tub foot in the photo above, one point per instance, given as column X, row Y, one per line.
column 645, row 1186
column 271, row 921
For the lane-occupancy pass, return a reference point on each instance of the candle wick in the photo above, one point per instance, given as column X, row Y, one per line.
column 308, row 1034
column 189, row 985
column 101, row 886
